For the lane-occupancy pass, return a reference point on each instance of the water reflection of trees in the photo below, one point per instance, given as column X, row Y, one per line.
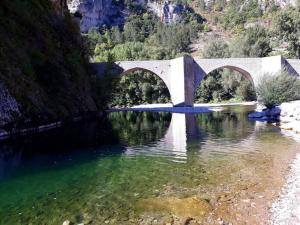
column 135, row 128
column 231, row 124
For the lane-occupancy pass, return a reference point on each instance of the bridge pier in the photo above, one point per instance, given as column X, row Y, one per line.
column 182, row 81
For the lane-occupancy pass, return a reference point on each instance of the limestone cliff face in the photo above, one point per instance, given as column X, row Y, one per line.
column 168, row 12
column 93, row 13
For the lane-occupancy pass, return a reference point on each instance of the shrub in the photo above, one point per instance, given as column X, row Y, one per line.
column 216, row 49
column 275, row 89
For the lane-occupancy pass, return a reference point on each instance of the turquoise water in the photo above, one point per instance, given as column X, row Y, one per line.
column 99, row 172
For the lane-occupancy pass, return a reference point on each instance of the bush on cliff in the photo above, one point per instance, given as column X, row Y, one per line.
column 279, row 88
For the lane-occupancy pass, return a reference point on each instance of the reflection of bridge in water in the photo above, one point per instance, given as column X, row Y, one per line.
column 186, row 130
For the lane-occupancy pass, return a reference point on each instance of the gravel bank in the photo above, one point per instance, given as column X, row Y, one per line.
column 286, row 210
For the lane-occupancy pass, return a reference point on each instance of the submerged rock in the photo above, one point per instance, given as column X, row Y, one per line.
column 190, row 207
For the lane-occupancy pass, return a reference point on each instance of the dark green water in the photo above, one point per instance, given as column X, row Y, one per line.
column 99, row 170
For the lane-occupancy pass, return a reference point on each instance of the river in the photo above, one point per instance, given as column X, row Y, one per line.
column 147, row 168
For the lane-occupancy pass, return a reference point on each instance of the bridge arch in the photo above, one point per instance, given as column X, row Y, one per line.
column 242, row 70
column 135, row 69
column 164, row 89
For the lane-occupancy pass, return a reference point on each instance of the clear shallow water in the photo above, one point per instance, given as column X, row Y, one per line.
column 104, row 171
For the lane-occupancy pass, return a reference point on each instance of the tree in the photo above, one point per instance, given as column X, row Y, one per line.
column 216, row 49
column 254, row 42
column 223, row 85
column 139, row 87
column 287, row 27
column 116, row 35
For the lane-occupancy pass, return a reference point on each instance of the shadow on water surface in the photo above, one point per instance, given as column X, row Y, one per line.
column 122, row 132
column 81, row 141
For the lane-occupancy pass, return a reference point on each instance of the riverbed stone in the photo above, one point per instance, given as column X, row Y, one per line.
column 190, row 207
column 66, row 222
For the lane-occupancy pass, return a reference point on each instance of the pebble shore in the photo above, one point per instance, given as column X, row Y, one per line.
column 286, row 210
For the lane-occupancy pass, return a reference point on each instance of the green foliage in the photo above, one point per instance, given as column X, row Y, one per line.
column 223, row 86
column 216, row 49
column 276, row 89
column 253, row 42
column 138, row 27
column 287, row 27
column 139, row 87
column 43, row 61
column 145, row 37
column 237, row 13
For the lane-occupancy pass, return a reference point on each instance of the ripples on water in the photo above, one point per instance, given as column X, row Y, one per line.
column 101, row 169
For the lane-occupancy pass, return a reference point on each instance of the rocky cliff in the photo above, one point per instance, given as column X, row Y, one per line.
column 167, row 11
column 95, row 13
column 44, row 69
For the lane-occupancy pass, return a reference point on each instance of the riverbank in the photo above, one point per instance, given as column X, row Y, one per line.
column 8, row 132
column 168, row 107
column 286, row 116
column 286, row 209
column 290, row 116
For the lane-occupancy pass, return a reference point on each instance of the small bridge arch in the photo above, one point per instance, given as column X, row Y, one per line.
column 244, row 71
column 250, row 68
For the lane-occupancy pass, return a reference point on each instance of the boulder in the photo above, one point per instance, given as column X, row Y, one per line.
column 290, row 116
column 67, row 222
column 266, row 114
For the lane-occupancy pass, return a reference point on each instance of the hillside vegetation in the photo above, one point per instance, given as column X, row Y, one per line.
column 228, row 29
column 43, row 64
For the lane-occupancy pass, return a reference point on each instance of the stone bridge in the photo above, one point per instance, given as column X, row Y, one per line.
column 183, row 75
